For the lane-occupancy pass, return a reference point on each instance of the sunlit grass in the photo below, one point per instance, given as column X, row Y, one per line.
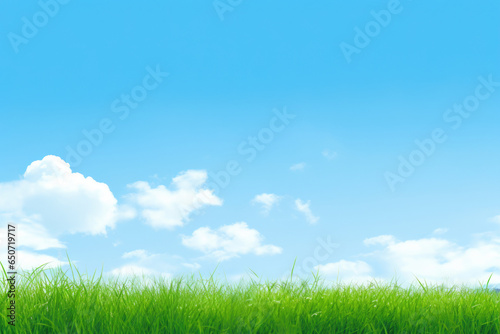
column 58, row 301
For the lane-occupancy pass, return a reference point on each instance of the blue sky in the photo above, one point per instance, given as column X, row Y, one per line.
column 344, row 170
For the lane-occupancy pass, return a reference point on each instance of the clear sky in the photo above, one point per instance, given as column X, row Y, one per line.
column 169, row 137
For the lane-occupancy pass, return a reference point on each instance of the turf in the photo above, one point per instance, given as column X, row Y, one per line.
column 58, row 301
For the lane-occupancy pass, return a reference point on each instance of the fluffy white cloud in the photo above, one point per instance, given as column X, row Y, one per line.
column 26, row 260
column 349, row 272
column 164, row 208
column 34, row 235
column 229, row 241
column 50, row 200
column 438, row 260
column 432, row 260
column 305, row 208
column 298, row 167
column 267, row 201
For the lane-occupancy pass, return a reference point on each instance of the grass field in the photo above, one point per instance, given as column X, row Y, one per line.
column 66, row 302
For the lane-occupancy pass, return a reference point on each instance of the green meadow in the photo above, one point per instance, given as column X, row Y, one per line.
column 57, row 301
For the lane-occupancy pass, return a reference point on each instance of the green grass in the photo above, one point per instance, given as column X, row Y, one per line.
column 66, row 302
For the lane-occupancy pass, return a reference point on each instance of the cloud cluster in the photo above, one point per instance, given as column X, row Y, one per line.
column 440, row 260
column 229, row 241
column 433, row 260
column 50, row 201
column 164, row 208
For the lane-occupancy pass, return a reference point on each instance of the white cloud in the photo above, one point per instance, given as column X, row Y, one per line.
column 192, row 266
column 26, row 260
column 267, row 201
column 305, row 208
column 440, row 231
column 143, row 262
column 380, row 240
column 50, row 200
column 132, row 270
column 137, row 275
column 164, row 208
column 229, row 241
column 349, row 272
column 431, row 260
column 238, row 278
column 35, row 236
column 330, row 155
column 140, row 254
column 439, row 260
column 298, row 167
column 496, row 219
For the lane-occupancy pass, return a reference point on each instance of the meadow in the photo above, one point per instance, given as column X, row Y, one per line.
column 57, row 301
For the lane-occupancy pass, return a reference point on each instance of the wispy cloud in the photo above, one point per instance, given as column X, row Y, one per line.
column 305, row 208
column 440, row 231
column 330, row 155
column 298, row 167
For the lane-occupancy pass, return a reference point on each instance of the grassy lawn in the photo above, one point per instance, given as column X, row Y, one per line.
column 67, row 302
